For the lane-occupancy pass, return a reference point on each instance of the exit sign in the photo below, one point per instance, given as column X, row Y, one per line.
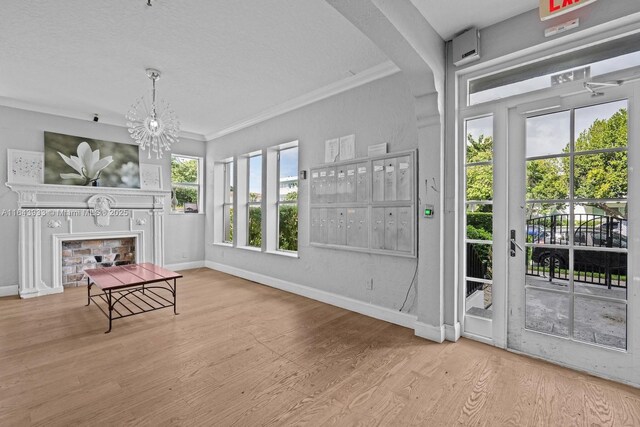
column 552, row 8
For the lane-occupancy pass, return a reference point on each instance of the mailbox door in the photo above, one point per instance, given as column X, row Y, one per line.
column 405, row 229
column 332, row 227
column 378, row 181
column 341, row 218
column 390, row 173
column 391, row 229
column 377, row 228
column 404, row 177
column 362, row 184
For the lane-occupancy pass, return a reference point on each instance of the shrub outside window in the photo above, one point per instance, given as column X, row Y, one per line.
column 185, row 184
column 287, row 200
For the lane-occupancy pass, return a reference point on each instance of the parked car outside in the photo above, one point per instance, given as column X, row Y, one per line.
column 599, row 232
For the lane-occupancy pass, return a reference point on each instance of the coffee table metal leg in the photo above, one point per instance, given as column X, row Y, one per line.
column 88, row 290
column 110, row 310
column 175, row 291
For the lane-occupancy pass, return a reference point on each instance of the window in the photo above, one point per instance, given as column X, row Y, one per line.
column 254, row 202
column 287, row 199
column 599, row 61
column 227, row 204
column 186, row 181
column 479, row 216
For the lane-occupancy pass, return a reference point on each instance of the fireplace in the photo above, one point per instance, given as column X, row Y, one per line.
column 73, row 228
column 79, row 255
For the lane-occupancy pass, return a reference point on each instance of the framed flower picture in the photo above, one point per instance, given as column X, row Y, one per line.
column 25, row 167
column 75, row 160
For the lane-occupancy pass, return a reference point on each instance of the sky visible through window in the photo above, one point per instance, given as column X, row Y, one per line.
column 289, row 163
column 255, row 174
column 288, row 168
column 550, row 133
column 536, row 83
column 481, row 126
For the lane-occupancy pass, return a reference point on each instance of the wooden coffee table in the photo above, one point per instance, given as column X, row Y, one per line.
column 132, row 289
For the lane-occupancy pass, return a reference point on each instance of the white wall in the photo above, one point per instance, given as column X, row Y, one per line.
column 381, row 111
column 24, row 130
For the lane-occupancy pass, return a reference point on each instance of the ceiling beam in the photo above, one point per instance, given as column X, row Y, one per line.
column 404, row 35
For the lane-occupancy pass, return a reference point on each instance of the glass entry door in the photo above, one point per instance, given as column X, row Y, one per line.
column 571, row 296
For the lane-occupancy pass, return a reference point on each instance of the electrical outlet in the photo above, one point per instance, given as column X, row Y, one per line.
column 369, row 284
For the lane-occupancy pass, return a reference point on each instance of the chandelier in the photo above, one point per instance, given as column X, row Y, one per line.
column 155, row 127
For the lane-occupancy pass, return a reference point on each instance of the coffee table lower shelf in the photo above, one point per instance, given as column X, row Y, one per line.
column 122, row 303
column 133, row 289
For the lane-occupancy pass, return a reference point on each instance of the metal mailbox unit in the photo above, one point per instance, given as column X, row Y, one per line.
column 366, row 205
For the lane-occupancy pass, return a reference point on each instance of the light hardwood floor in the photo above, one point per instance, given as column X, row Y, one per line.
column 244, row 354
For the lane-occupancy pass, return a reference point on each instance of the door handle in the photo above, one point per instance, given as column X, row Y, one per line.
column 514, row 244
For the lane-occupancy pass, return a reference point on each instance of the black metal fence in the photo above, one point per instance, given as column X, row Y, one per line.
column 606, row 267
column 476, row 267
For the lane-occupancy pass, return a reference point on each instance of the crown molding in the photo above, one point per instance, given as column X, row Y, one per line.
column 112, row 120
column 367, row 76
column 374, row 73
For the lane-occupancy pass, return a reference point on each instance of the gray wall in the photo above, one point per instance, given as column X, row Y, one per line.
column 23, row 130
column 382, row 111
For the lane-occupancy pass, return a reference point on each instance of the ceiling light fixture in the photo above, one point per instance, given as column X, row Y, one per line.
column 156, row 127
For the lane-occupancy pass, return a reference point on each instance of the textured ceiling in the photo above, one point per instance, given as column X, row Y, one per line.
column 449, row 17
column 222, row 61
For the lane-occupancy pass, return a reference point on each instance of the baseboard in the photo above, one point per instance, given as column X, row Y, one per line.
column 430, row 332
column 8, row 290
column 452, row 332
column 41, row 292
column 375, row 311
column 184, row 265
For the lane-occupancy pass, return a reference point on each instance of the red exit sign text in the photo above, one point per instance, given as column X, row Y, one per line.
column 552, row 8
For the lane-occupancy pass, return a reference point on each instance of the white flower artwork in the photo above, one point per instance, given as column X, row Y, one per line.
column 88, row 164
column 77, row 160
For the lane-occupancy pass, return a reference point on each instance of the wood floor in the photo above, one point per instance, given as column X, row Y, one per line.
column 244, row 354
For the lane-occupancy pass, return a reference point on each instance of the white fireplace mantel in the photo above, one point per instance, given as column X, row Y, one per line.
column 76, row 196
column 48, row 214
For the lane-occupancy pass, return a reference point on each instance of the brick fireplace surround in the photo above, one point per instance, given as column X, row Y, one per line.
column 79, row 255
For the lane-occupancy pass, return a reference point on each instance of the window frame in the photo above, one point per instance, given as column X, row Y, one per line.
column 254, row 204
column 286, row 202
column 228, row 179
column 198, row 185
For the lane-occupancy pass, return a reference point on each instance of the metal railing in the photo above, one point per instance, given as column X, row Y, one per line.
column 607, row 267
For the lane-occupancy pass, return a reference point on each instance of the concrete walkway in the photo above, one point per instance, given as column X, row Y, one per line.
column 596, row 321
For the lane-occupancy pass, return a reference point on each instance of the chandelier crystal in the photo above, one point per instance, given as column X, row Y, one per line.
column 154, row 126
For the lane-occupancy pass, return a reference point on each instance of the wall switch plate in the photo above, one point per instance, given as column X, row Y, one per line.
column 369, row 284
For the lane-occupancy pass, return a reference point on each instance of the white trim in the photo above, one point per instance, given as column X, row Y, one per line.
column 479, row 338
column 375, row 311
column 40, row 292
column 452, row 332
column 8, row 290
column 430, row 332
column 288, row 254
column 184, row 265
column 367, row 76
